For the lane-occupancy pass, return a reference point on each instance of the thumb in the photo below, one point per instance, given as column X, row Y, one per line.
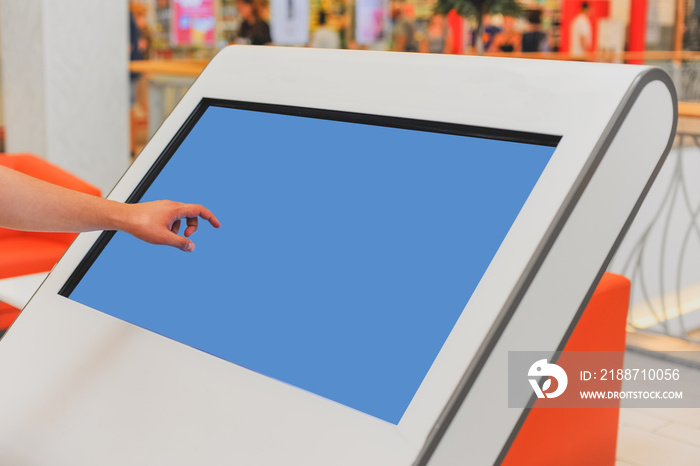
column 187, row 245
column 180, row 242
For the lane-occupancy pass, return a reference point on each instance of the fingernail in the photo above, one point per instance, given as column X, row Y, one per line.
column 189, row 247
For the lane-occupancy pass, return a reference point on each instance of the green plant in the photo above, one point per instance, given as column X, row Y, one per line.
column 476, row 9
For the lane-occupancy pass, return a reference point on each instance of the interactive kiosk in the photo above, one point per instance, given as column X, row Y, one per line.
column 392, row 226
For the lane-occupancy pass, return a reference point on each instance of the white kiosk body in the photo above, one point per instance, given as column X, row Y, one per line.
column 393, row 225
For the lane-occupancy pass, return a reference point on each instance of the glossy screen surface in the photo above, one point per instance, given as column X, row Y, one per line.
column 347, row 251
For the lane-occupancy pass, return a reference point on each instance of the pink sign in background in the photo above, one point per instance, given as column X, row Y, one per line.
column 193, row 22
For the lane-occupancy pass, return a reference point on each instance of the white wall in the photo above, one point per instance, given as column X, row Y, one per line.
column 620, row 9
column 667, row 12
column 664, row 11
column 65, row 84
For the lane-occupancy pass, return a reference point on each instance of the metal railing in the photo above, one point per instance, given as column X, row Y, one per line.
column 686, row 78
column 662, row 254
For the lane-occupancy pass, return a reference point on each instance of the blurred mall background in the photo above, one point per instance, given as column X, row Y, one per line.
column 85, row 83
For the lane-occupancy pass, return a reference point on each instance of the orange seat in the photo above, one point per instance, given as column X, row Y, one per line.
column 23, row 252
column 8, row 314
column 580, row 436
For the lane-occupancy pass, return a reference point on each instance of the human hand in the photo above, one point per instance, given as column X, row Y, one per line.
column 158, row 222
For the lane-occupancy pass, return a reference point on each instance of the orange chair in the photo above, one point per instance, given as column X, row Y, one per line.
column 22, row 252
column 580, row 436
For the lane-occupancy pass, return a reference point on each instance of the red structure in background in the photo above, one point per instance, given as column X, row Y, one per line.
column 570, row 8
column 456, row 25
column 637, row 30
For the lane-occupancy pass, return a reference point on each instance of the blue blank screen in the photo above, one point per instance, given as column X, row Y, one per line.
column 347, row 251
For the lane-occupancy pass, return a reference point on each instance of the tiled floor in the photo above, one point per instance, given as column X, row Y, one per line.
column 661, row 436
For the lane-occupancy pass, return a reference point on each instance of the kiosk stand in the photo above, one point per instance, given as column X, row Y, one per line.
column 393, row 225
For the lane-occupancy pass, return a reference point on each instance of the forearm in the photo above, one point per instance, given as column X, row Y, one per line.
column 34, row 205
column 27, row 203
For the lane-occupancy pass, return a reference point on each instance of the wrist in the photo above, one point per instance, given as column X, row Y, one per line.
column 118, row 216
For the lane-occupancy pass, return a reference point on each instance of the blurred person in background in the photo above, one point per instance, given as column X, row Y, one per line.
column 253, row 30
column 403, row 35
column 581, row 32
column 136, row 45
column 437, row 37
column 141, row 17
column 139, row 35
column 535, row 39
column 140, row 49
column 324, row 36
column 343, row 21
column 508, row 40
column 489, row 33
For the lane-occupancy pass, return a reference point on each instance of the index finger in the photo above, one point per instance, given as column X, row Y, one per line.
column 196, row 210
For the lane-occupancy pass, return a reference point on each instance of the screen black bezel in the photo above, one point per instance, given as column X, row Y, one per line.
column 335, row 115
